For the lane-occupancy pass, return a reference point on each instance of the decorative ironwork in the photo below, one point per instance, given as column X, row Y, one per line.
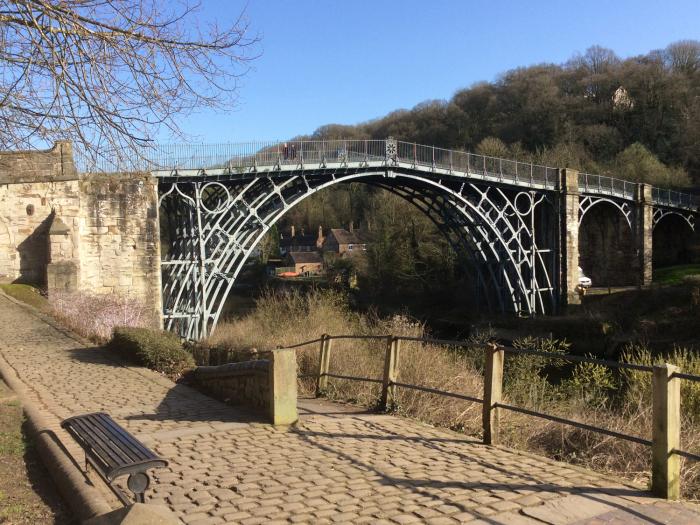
column 587, row 202
column 661, row 212
column 212, row 227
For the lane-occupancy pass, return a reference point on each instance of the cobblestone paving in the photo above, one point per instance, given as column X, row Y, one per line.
column 337, row 465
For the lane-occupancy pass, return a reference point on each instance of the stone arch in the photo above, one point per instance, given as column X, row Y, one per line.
column 607, row 248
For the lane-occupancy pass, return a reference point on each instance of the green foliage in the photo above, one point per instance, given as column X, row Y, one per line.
column 591, row 383
column 493, row 147
column 156, row 349
column 639, row 384
column 525, row 380
column 675, row 274
column 637, row 163
column 582, row 114
column 270, row 245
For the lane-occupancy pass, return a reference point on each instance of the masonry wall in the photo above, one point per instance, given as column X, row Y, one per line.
column 97, row 234
column 34, row 187
column 269, row 386
column 246, row 383
column 119, row 236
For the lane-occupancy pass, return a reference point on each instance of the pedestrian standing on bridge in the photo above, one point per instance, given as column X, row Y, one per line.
column 294, row 151
column 285, row 151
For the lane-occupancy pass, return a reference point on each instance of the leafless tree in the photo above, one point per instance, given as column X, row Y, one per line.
column 683, row 56
column 108, row 74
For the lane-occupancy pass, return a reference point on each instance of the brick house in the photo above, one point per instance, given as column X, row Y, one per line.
column 344, row 242
column 304, row 263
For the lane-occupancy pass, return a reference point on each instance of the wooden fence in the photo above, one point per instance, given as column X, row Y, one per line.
column 666, row 403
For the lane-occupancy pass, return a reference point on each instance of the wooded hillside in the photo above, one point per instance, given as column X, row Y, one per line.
column 636, row 118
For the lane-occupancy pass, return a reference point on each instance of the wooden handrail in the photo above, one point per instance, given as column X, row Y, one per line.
column 666, row 397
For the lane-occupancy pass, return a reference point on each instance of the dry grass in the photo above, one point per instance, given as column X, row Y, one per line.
column 95, row 316
column 587, row 393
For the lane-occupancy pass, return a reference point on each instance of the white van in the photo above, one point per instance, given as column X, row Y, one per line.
column 583, row 281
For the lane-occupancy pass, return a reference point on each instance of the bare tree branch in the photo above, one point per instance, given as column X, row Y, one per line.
column 107, row 74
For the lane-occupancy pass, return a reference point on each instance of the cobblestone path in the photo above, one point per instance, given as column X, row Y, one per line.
column 337, row 465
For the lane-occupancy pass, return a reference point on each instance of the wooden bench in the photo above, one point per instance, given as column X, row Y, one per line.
column 113, row 452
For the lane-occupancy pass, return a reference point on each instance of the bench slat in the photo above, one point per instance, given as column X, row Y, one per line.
column 98, row 429
column 129, row 440
column 100, row 447
column 109, row 433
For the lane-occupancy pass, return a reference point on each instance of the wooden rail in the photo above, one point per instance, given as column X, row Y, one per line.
column 666, row 409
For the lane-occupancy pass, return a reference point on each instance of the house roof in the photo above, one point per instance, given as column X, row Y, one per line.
column 343, row 236
column 299, row 240
column 305, row 257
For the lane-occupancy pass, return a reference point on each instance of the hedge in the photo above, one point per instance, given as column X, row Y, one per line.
column 157, row 349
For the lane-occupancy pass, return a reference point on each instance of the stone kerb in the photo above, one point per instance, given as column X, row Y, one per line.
column 266, row 385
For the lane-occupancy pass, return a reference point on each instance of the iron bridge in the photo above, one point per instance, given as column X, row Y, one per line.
column 218, row 202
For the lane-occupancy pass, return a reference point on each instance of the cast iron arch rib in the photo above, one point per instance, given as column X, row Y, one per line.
column 214, row 225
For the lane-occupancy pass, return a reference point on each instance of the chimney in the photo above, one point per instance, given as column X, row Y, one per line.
column 351, row 227
column 293, row 232
column 319, row 239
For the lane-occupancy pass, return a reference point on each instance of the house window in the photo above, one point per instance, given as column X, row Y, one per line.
column 350, row 246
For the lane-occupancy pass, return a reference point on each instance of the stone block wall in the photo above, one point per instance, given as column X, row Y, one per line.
column 27, row 211
column 95, row 233
column 245, row 383
column 266, row 385
column 119, row 236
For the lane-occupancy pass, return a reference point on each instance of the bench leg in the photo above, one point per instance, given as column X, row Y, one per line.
column 138, row 483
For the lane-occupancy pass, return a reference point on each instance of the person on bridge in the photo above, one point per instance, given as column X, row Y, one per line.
column 285, row 151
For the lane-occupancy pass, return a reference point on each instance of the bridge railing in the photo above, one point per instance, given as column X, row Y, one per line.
column 477, row 165
column 601, row 184
column 315, row 153
column 674, row 198
column 666, row 402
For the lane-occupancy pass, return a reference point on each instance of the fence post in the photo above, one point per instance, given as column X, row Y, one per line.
column 493, row 389
column 391, row 369
column 324, row 360
column 666, row 467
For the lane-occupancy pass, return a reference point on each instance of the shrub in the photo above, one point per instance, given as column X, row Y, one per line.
column 637, row 163
column 95, row 316
column 156, row 349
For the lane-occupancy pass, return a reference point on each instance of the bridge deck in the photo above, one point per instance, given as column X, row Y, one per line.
column 339, row 464
column 328, row 156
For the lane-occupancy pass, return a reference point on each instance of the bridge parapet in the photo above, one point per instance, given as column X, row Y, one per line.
column 175, row 160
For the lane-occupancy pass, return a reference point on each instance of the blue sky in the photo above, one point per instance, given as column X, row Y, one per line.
column 346, row 62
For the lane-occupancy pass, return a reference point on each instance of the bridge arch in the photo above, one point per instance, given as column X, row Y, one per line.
column 220, row 201
column 588, row 202
column 607, row 249
column 672, row 238
column 218, row 224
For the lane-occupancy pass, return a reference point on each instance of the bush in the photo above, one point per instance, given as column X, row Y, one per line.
column 636, row 163
column 156, row 349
